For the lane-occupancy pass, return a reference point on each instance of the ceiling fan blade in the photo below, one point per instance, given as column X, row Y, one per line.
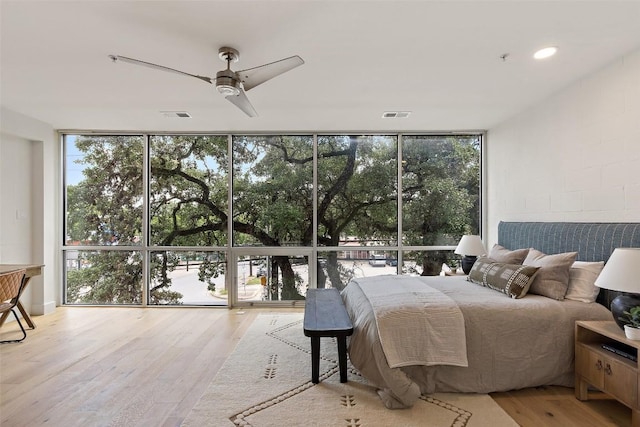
column 252, row 77
column 242, row 102
column 115, row 58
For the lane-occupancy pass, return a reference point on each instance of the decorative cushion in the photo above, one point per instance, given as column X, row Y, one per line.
column 501, row 254
column 582, row 277
column 511, row 279
column 553, row 278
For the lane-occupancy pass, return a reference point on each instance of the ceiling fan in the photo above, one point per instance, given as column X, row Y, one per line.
column 232, row 84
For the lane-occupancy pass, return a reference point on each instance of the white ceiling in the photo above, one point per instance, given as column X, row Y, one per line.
column 439, row 60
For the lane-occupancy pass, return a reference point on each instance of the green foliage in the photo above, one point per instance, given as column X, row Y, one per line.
column 631, row 317
column 106, row 277
column 188, row 190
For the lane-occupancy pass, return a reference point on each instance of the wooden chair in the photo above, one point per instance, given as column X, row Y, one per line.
column 10, row 289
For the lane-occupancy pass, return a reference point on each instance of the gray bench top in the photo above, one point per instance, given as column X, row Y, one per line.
column 325, row 315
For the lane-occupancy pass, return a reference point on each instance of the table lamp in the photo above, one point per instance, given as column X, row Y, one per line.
column 622, row 273
column 470, row 247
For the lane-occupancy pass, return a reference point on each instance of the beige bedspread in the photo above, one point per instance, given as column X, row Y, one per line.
column 511, row 343
column 417, row 324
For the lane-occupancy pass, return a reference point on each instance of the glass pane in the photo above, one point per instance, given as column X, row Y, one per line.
column 187, row 277
column 428, row 263
column 103, row 277
column 272, row 190
column 272, row 278
column 335, row 269
column 357, row 189
column 441, row 188
column 188, row 190
column 103, row 176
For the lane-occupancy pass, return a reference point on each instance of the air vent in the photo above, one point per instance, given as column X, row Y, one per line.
column 176, row 114
column 395, row 114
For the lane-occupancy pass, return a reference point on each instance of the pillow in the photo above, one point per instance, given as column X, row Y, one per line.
column 553, row 278
column 501, row 254
column 511, row 279
column 582, row 277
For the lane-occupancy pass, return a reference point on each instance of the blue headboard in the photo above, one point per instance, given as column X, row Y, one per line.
column 594, row 241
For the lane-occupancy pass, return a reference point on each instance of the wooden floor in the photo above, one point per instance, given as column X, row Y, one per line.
column 87, row 366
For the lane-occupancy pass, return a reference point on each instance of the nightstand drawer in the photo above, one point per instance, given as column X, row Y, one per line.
column 621, row 381
column 590, row 365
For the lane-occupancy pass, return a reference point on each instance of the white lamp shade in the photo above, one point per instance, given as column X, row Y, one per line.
column 470, row 245
column 622, row 271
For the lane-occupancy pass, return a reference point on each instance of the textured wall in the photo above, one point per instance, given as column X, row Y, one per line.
column 573, row 157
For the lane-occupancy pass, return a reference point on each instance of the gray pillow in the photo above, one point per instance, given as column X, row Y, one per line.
column 553, row 278
column 501, row 254
column 511, row 279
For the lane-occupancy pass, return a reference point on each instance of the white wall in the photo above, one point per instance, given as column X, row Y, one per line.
column 15, row 199
column 29, row 213
column 573, row 157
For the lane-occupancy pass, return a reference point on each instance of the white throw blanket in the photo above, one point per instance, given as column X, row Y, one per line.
column 417, row 324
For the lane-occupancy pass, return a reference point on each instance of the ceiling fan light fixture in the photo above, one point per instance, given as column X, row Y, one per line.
column 227, row 90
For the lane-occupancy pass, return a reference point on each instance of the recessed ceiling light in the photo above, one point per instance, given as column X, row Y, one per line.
column 545, row 53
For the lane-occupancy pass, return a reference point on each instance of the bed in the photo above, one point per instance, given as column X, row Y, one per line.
column 511, row 343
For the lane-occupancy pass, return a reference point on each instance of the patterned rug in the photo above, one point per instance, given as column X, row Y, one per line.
column 266, row 382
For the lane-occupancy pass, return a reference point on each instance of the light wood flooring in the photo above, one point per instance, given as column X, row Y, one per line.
column 89, row 366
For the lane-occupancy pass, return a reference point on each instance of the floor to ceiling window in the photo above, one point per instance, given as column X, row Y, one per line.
column 247, row 219
column 104, row 214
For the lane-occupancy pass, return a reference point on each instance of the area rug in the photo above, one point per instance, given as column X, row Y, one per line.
column 266, row 382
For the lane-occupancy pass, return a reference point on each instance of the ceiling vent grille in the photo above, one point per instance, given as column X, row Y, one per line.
column 395, row 114
column 178, row 114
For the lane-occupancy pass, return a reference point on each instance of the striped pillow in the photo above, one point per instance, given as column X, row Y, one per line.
column 511, row 279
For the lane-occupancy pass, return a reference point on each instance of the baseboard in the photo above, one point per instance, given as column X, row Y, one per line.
column 42, row 309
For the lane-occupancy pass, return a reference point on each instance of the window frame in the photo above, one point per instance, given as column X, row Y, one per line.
column 234, row 253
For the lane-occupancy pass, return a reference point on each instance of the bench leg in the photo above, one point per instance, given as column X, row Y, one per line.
column 342, row 358
column 315, row 359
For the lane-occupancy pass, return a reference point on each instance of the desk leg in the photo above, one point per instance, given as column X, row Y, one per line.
column 25, row 315
column 342, row 358
column 315, row 360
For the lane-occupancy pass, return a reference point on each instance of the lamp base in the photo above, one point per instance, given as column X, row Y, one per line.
column 623, row 303
column 467, row 263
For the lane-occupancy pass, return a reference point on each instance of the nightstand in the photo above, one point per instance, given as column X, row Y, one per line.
column 605, row 370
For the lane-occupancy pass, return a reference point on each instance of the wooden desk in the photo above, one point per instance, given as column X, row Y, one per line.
column 31, row 270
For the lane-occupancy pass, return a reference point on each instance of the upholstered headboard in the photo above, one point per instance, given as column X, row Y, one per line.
column 594, row 241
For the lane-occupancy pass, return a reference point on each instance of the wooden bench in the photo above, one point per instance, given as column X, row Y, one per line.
column 325, row 316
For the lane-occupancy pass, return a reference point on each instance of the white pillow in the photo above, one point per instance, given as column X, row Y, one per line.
column 582, row 276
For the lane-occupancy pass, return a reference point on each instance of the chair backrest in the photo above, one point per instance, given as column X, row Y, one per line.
column 11, row 284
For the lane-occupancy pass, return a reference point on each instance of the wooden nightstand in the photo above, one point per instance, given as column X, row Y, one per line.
column 613, row 374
